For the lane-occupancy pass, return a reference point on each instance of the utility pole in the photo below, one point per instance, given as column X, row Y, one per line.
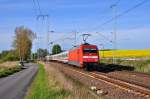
column 102, row 48
column 38, row 42
column 48, row 35
column 51, row 46
column 45, row 17
column 75, row 38
column 113, row 7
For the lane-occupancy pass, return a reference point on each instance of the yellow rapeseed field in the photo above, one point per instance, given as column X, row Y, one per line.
column 126, row 53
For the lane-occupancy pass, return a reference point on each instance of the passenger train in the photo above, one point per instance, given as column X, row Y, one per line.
column 85, row 56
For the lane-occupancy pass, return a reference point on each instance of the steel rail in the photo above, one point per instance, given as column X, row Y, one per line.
column 135, row 88
column 121, row 84
column 147, row 75
column 130, row 87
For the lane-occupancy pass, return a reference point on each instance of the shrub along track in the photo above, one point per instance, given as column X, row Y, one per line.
column 115, row 88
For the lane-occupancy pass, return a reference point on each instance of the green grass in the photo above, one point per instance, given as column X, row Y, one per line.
column 1, row 61
column 140, row 66
column 4, row 71
column 41, row 89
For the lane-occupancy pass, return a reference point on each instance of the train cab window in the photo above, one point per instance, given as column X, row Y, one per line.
column 89, row 50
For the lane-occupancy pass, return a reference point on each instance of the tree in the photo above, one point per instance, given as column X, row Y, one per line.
column 41, row 53
column 4, row 53
column 34, row 56
column 8, row 55
column 0, row 55
column 56, row 49
column 23, row 42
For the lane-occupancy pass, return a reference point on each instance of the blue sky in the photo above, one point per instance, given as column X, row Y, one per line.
column 66, row 16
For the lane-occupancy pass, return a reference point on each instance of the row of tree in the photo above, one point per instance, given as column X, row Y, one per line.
column 22, row 45
column 8, row 55
column 41, row 53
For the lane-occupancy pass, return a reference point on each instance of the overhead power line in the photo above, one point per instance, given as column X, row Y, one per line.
column 105, row 37
column 61, row 39
column 34, row 7
column 117, row 2
column 121, row 14
column 39, row 7
column 41, row 16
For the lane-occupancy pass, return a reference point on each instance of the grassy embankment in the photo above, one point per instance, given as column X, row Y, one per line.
column 141, row 66
column 8, row 68
column 40, row 87
column 50, row 83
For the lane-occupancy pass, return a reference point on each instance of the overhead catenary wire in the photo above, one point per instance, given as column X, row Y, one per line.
column 111, row 19
column 119, row 15
column 60, row 39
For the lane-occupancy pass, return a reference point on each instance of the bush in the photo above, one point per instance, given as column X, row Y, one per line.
column 4, row 71
column 147, row 61
column 9, row 57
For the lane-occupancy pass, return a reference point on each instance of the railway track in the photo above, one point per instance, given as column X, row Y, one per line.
column 131, row 87
column 134, row 73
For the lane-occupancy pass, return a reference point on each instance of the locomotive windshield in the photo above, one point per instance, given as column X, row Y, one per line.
column 90, row 50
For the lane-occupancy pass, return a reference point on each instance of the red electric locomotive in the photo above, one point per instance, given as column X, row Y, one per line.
column 85, row 56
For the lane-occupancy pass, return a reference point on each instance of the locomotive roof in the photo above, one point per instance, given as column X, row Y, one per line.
column 80, row 45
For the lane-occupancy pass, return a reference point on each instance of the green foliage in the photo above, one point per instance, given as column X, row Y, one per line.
column 56, row 49
column 4, row 71
column 23, row 42
column 141, row 66
column 0, row 55
column 8, row 56
column 147, row 61
column 4, row 53
column 34, row 56
column 1, row 61
column 40, row 88
column 42, row 52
